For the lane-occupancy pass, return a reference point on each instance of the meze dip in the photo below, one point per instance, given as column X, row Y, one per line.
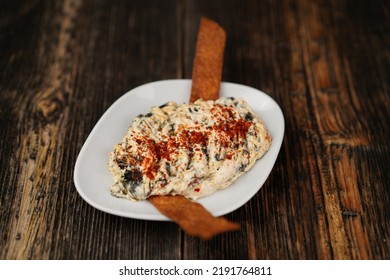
column 189, row 149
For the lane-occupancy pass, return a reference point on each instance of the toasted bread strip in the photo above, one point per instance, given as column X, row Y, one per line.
column 192, row 217
column 208, row 61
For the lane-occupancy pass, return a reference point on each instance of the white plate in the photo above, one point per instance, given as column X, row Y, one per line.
column 93, row 180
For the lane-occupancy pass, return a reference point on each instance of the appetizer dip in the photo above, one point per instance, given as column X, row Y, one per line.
column 190, row 149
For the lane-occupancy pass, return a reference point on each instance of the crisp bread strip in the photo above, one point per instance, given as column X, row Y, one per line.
column 208, row 61
column 192, row 217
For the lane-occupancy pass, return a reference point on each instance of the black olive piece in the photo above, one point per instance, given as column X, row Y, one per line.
column 248, row 116
column 231, row 98
column 140, row 116
column 242, row 167
column 189, row 109
column 148, row 115
column 196, row 109
column 164, row 105
column 218, row 157
column 246, row 152
column 133, row 178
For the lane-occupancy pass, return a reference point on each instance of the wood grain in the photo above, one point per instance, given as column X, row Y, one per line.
column 327, row 64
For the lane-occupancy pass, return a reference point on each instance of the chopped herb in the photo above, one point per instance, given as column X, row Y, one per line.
column 168, row 168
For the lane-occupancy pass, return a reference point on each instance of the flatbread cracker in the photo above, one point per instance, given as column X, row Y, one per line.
column 208, row 61
column 192, row 217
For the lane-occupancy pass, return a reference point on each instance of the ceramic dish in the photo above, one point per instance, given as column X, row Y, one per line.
column 93, row 180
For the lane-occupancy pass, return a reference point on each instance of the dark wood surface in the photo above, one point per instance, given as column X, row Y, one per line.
column 327, row 63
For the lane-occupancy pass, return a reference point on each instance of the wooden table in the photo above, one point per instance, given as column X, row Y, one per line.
column 327, row 64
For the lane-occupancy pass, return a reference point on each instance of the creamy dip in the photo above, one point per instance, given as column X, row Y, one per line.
column 190, row 149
